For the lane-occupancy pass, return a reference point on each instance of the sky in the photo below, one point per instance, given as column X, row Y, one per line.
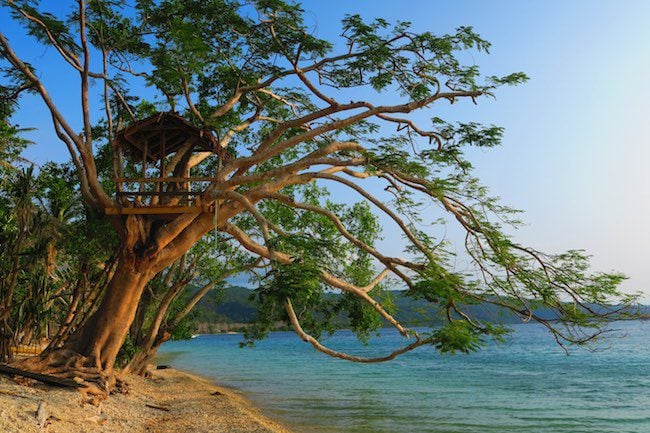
column 576, row 148
column 575, row 152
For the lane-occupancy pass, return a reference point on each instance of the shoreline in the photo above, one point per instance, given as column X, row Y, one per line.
column 171, row 401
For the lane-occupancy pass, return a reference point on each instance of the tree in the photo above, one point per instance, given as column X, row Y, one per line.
column 285, row 104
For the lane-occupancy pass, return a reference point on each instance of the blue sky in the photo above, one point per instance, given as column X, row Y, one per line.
column 576, row 148
column 575, row 152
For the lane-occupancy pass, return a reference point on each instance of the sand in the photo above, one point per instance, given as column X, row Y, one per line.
column 194, row 403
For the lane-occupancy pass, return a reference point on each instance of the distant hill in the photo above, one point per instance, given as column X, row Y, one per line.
column 235, row 308
column 232, row 306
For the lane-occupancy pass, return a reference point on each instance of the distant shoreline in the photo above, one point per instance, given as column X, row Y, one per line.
column 228, row 328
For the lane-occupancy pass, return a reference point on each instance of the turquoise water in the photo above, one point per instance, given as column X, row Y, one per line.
column 528, row 385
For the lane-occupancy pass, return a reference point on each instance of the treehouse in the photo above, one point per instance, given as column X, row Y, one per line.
column 159, row 153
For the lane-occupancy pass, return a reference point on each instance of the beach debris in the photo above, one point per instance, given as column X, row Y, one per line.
column 163, row 367
column 216, row 393
column 153, row 406
column 97, row 419
column 43, row 416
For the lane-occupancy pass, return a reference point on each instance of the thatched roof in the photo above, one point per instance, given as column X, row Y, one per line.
column 163, row 134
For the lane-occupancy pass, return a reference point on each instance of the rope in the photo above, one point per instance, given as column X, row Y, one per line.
column 215, row 219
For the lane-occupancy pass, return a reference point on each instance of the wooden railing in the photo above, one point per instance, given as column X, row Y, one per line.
column 159, row 199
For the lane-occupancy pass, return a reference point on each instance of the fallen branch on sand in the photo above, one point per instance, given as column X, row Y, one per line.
column 153, row 406
column 45, row 378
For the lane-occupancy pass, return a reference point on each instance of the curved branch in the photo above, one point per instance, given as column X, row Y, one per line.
column 81, row 172
column 375, row 281
column 68, row 56
column 307, row 161
column 84, row 76
column 188, row 99
column 295, row 323
column 204, row 290
column 166, row 234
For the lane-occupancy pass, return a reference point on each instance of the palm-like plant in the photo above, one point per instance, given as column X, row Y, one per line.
column 28, row 235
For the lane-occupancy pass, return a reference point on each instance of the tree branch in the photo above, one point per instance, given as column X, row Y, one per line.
column 295, row 323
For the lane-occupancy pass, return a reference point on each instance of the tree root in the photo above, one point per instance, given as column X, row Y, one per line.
column 67, row 364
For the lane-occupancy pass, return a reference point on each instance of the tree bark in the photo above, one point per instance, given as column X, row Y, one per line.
column 149, row 344
column 136, row 330
column 101, row 337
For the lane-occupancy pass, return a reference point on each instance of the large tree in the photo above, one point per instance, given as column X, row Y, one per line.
column 298, row 113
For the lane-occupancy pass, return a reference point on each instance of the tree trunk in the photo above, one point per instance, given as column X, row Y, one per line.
column 91, row 350
column 136, row 331
column 101, row 337
column 138, row 365
column 148, row 345
column 6, row 337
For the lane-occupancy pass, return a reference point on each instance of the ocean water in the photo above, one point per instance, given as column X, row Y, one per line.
column 527, row 385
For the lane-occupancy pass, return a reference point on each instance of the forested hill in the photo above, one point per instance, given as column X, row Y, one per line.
column 235, row 306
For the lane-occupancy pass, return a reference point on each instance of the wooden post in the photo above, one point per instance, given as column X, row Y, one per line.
column 145, row 152
column 163, row 153
column 145, row 155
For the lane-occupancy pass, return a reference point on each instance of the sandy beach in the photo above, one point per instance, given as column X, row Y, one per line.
column 194, row 405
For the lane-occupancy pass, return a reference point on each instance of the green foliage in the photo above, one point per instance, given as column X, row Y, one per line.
column 27, row 234
column 126, row 353
column 301, row 283
column 362, row 319
column 457, row 336
column 184, row 329
column 12, row 143
column 50, row 245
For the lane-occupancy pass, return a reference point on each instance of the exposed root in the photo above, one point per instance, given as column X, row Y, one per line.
column 67, row 364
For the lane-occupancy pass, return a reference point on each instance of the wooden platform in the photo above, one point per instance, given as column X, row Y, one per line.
column 154, row 210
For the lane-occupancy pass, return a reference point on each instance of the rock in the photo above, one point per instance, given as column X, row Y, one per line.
column 42, row 415
column 97, row 419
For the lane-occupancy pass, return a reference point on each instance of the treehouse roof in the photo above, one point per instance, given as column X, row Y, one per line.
column 163, row 134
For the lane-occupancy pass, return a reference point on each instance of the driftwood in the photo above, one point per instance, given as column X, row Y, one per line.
column 153, row 406
column 45, row 378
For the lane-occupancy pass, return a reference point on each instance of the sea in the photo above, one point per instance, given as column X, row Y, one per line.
column 529, row 384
